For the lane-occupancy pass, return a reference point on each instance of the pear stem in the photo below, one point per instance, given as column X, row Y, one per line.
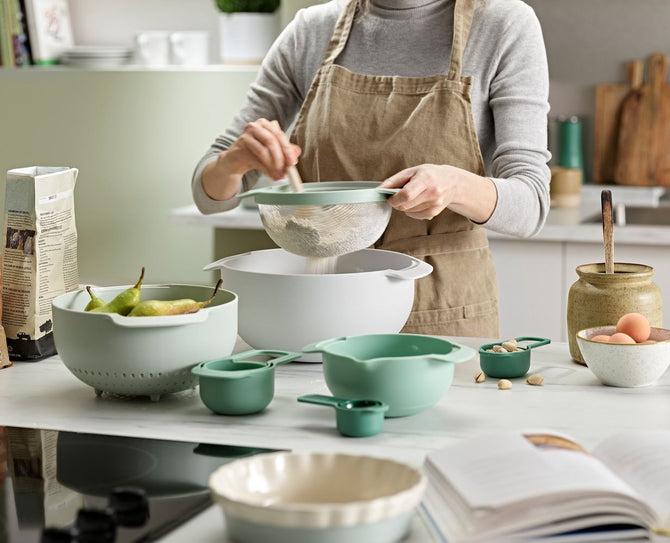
column 209, row 301
column 139, row 281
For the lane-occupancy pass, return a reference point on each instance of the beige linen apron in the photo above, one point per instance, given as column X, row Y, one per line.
column 362, row 127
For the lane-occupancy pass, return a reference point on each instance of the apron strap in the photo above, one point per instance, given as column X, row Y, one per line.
column 341, row 33
column 463, row 11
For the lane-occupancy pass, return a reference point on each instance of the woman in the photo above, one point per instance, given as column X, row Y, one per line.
column 445, row 99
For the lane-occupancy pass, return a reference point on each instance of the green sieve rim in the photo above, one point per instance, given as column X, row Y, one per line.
column 321, row 193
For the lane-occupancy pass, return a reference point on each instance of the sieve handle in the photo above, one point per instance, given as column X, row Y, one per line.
column 390, row 192
column 416, row 270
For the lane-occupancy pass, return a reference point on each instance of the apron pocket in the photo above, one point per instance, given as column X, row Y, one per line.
column 474, row 320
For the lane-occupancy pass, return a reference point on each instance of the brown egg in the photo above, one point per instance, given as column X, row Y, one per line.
column 620, row 337
column 635, row 325
column 604, row 338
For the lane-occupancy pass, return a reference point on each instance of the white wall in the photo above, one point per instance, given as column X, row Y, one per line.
column 118, row 21
column 137, row 135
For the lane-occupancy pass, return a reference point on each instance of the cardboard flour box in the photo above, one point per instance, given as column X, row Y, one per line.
column 39, row 255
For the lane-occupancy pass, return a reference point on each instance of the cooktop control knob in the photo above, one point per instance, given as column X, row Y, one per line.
column 95, row 525
column 130, row 505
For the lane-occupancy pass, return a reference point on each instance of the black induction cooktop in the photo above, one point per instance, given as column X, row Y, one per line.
column 92, row 488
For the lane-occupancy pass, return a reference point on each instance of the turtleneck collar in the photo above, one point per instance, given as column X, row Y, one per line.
column 406, row 4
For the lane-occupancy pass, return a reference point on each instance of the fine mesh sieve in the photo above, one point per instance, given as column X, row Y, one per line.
column 326, row 219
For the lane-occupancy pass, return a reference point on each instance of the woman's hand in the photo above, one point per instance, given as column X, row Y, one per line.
column 429, row 189
column 263, row 145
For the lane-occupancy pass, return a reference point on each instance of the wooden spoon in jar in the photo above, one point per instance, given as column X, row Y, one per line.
column 606, row 201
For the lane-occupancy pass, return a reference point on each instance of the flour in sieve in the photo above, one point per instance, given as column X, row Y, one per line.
column 313, row 235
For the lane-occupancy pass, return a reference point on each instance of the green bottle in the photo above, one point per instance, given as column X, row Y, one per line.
column 570, row 155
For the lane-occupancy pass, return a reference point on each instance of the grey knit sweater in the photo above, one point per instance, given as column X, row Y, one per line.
column 505, row 54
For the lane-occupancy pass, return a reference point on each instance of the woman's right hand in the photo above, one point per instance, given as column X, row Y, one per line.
column 263, row 145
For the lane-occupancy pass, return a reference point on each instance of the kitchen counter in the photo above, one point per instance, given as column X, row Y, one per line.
column 563, row 224
column 45, row 395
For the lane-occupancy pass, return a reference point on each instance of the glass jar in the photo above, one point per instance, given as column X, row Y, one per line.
column 600, row 299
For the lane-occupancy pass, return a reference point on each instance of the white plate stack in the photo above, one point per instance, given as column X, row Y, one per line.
column 96, row 56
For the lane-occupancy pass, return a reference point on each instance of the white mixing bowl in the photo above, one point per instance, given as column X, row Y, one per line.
column 284, row 306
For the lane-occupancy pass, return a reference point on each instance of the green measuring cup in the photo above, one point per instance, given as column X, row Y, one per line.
column 512, row 364
column 354, row 418
column 237, row 385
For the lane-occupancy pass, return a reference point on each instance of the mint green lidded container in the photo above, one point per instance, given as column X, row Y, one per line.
column 233, row 386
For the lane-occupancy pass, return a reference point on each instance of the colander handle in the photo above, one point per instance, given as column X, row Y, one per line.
column 416, row 270
column 161, row 321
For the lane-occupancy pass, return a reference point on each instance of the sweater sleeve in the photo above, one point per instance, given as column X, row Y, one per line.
column 275, row 94
column 519, row 105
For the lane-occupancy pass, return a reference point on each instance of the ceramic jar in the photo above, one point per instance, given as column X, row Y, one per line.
column 599, row 299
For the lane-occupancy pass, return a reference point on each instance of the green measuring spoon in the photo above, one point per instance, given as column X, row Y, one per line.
column 354, row 418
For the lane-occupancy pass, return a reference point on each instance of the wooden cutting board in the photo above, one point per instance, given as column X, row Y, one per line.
column 643, row 147
column 609, row 99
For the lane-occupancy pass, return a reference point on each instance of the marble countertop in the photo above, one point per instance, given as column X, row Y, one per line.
column 563, row 224
column 45, row 395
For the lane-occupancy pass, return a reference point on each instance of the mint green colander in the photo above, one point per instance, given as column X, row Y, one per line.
column 326, row 219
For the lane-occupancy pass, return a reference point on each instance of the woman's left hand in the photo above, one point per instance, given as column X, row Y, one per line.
column 427, row 190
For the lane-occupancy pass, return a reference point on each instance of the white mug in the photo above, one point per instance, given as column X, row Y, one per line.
column 152, row 48
column 189, row 48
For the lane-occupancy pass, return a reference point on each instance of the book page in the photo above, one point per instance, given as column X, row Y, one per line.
column 642, row 459
column 496, row 470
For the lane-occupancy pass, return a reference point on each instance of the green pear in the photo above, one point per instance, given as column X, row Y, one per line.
column 95, row 300
column 123, row 302
column 155, row 308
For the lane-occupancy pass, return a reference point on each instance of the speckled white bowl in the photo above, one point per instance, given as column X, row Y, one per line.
column 625, row 365
column 312, row 497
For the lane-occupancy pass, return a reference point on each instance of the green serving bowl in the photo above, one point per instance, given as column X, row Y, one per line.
column 237, row 385
column 409, row 372
column 512, row 364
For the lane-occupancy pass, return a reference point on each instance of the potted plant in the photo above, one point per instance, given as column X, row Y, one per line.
column 247, row 29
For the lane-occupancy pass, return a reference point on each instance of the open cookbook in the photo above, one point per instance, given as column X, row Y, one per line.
column 530, row 485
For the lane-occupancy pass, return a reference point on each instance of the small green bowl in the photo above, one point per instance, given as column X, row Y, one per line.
column 512, row 364
column 230, row 386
